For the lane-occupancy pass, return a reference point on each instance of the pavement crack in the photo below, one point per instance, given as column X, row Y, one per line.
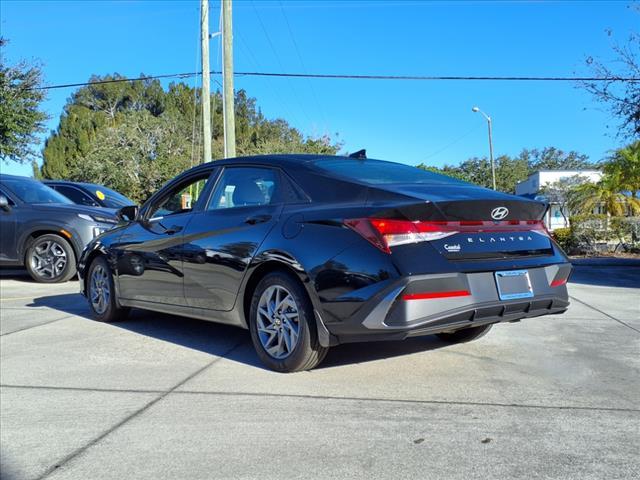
column 604, row 313
column 79, row 451
column 173, row 391
column 411, row 401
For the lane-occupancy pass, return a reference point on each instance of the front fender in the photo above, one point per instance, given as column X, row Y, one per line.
column 53, row 227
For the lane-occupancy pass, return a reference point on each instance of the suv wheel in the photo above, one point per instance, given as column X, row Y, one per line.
column 50, row 259
column 101, row 293
column 282, row 325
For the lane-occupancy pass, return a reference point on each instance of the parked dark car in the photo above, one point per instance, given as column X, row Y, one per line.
column 90, row 194
column 311, row 251
column 43, row 230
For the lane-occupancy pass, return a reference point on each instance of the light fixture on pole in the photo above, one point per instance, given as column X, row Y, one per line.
column 493, row 167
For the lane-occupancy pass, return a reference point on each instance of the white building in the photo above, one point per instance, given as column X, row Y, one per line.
column 532, row 186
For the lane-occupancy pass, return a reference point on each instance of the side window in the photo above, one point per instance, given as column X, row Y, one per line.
column 11, row 202
column 76, row 196
column 180, row 199
column 245, row 186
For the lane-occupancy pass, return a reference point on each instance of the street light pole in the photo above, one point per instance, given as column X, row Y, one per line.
column 493, row 166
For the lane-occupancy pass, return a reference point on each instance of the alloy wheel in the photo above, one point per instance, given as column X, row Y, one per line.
column 99, row 289
column 48, row 259
column 278, row 322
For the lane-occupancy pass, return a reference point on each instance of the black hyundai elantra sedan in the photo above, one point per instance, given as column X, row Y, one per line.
column 310, row 251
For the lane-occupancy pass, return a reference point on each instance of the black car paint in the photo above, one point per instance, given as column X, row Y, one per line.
column 183, row 272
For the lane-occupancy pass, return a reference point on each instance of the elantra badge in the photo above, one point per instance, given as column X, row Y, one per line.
column 499, row 213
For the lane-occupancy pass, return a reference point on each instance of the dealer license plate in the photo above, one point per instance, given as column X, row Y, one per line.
column 513, row 284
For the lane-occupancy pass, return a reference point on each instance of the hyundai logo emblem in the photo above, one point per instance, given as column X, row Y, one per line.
column 499, row 213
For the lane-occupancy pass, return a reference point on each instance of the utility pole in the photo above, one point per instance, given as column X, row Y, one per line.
column 227, row 81
column 206, row 81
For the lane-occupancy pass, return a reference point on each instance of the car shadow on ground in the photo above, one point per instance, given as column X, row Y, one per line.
column 205, row 336
column 15, row 273
column 627, row 276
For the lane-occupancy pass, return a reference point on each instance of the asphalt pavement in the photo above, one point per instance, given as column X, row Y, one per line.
column 164, row 397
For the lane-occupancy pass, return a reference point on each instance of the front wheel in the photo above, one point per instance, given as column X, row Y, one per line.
column 465, row 335
column 282, row 325
column 101, row 293
column 50, row 259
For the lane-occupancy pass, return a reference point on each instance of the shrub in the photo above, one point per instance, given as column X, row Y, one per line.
column 591, row 234
column 564, row 238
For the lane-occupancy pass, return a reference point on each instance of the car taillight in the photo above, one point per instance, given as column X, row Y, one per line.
column 386, row 233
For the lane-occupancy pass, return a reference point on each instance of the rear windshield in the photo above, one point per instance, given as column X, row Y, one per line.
column 31, row 191
column 377, row 172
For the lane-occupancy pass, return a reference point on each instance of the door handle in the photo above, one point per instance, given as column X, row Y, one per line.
column 173, row 229
column 257, row 219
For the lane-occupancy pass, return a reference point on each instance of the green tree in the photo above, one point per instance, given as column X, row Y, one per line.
column 624, row 166
column 607, row 194
column 134, row 136
column 512, row 170
column 559, row 192
column 551, row 158
column 20, row 117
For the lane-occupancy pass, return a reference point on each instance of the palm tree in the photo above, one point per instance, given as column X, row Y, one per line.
column 625, row 166
column 609, row 193
column 618, row 192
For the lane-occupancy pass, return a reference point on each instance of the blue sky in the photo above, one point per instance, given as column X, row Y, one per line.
column 411, row 122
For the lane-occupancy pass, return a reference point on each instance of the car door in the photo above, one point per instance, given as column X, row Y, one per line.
column 221, row 240
column 8, row 225
column 149, row 252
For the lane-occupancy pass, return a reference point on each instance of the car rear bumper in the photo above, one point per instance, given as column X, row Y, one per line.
column 390, row 315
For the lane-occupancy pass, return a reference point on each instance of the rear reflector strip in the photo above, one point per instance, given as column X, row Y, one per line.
column 385, row 233
column 559, row 282
column 430, row 295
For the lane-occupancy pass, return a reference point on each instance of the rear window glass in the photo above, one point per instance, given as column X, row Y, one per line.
column 377, row 172
column 31, row 191
column 110, row 198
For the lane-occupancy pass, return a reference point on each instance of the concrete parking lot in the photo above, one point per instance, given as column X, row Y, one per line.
column 166, row 397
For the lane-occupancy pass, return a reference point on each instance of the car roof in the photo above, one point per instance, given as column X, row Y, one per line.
column 69, row 182
column 275, row 159
column 16, row 177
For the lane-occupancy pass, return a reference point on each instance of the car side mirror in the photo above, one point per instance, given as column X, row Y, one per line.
column 4, row 203
column 128, row 213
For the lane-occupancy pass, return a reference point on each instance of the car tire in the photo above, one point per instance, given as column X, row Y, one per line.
column 50, row 259
column 101, row 293
column 465, row 335
column 282, row 325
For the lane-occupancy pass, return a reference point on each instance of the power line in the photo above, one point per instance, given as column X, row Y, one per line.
column 352, row 77
column 304, row 69
column 275, row 54
column 453, row 142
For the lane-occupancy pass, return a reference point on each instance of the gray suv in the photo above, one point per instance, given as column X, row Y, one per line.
column 44, row 230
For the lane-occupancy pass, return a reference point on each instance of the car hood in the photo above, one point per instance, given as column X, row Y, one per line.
column 77, row 209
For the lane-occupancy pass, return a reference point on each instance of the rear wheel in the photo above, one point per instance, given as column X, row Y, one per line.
column 282, row 325
column 101, row 293
column 50, row 259
column 465, row 335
